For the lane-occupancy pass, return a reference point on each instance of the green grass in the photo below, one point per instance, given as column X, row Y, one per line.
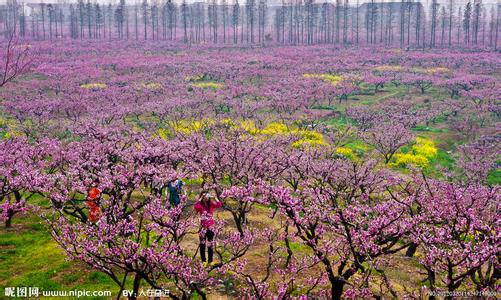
column 358, row 147
column 325, row 107
column 338, row 121
column 438, row 120
column 33, row 76
column 424, row 128
column 443, row 160
column 30, row 258
column 368, row 97
column 297, row 248
column 437, row 93
column 494, row 177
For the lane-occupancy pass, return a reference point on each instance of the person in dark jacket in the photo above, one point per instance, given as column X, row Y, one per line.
column 175, row 189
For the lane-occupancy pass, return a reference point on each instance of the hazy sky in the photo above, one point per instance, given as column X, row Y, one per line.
column 456, row 2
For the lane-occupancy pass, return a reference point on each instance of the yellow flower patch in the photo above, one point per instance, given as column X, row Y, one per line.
column 187, row 127
column 436, row 70
column 424, row 147
column 249, row 126
column 275, row 129
column 228, row 122
column 346, row 152
column 333, row 79
column 164, row 133
column 309, row 138
column 388, row 68
column 207, row 85
column 151, row 85
column 406, row 159
column 422, row 151
column 305, row 137
column 194, row 78
column 93, row 86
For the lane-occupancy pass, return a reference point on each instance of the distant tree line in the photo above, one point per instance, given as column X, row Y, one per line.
column 406, row 23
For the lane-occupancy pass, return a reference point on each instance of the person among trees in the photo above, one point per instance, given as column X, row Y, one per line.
column 205, row 207
column 92, row 201
column 175, row 190
column 157, row 188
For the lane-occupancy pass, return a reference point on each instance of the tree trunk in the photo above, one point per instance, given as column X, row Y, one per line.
column 337, row 286
column 411, row 250
column 8, row 222
column 135, row 287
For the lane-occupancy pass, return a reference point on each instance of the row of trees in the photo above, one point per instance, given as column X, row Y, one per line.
column 347, row 217
column 337, row 223
column 407, row 23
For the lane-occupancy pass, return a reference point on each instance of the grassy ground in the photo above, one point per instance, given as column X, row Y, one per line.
column 30, row 258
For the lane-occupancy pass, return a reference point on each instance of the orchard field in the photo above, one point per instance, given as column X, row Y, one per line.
column 352, row 172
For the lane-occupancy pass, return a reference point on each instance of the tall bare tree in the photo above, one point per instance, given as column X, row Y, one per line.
column 433, row 28
column 451, row 13
column 15, row 60
column 235, row 20
column 144, row 11
column 467, row 22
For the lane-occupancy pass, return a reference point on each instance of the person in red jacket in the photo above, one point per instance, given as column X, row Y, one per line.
column 92, row 201
column 205, row 207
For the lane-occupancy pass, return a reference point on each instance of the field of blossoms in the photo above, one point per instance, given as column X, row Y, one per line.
column 343, row 172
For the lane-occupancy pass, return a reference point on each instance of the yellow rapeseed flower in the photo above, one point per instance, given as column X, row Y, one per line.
column 275, row 129
column 208, row 85
column 436, row 70
column 422, row 151
column 249, row 126
column 93, row 86
column 151, row 85
column 424, row 147
column 309, row 138
column 406, row 159
column 333, row 79
column 388, row 68
column 346, row 152
column 164, row 133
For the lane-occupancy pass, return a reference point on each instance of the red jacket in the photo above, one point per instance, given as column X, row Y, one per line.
column 92, row 202
column 205, row 212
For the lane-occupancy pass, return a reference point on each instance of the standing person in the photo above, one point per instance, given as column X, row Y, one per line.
column 205, row 207
column 157, row 188
column 92, row 201
column 175, row 189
